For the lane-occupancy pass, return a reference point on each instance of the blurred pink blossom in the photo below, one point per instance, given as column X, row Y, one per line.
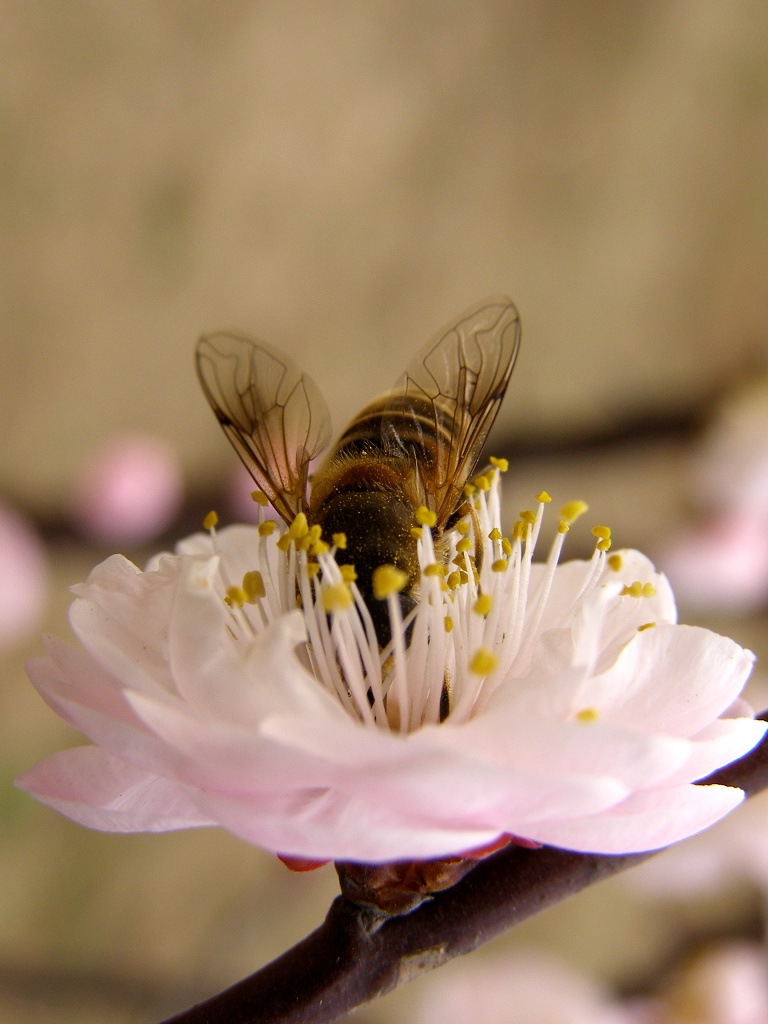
column 128, row 491
column 721, row 985
column 23, row 577
column 523, row 987
column 722, row 563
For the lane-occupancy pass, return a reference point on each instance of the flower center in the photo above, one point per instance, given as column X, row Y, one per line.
column 476, row 618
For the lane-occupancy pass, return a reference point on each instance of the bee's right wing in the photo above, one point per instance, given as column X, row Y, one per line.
column 446, row 401
column 273, row 414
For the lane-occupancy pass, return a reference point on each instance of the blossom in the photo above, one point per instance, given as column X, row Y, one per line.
column 238, row 682
column 721, row 561
column 128, row 490
column 525, row 985
column 23, row 577
column 721, row 984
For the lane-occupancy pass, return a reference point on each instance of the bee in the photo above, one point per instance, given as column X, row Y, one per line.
column 414, row 446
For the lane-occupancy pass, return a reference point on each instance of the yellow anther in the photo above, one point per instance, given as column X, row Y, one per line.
column 465, row 544
column 339, row 541
column 425, row 516
column 283, row 543
column 453, row 579
column 500, row 565
column 571, row 511
column 463, row 527
column 501, row 464
column 506, row 545
column 388, row 580
column 615, row 562
column 649, row 590
column 543, row 496
column 337, row 598
column 267, row 527
column 434, row 569
column 528, row 517
column 483, row 604
column 518, row 530
column 588, row 715
column 210, row 521
column 601, row 532
column 482, row 482
column 236, row 597
column 463, row 576
column 319, row 547
column 469, row 490
column 604, row 545
column 632, row 589
column 448, row 622
column 260, row 498
column 645, row 625
column 495, row 534
column 348, row 573
column 253, row 586
column 416, row 532
column 312, row 568
column 563, row 527
column 483, row 662
column 299, row 527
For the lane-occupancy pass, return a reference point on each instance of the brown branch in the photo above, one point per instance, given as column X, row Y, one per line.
column 354, row 956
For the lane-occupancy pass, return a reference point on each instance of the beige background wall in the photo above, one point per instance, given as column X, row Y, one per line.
column 342, row 178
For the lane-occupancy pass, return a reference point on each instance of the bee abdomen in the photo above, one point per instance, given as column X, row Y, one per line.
column 383, row 429
column 377, row 525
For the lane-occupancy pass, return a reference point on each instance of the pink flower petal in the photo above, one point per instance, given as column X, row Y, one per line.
column 644, row 821
column 706, row 673
column 99, row 791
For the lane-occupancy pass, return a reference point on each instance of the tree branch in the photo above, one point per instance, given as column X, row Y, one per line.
column 355, row 956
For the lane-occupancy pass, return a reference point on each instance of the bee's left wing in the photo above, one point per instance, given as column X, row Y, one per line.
column 448, row 398
column 273, row 414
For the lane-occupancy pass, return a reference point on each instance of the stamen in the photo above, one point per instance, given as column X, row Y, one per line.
column 425, row 516
column 483, row 662
column 337, row 598
column 588, row 715
column 253, row 586
column 572, row 510
column 474, row 620
column 388, row 580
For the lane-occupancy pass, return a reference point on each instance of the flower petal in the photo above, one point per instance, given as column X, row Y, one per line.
column 99, row 791
column 644, row 821
column 703, row 673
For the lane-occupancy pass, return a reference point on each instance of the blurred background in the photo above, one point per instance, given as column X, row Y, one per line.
column 341, row 180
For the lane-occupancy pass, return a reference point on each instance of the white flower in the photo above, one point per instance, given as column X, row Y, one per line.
column 580, row 714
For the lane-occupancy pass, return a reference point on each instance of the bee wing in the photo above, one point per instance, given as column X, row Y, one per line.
column 273, row 414
column 448, row 398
